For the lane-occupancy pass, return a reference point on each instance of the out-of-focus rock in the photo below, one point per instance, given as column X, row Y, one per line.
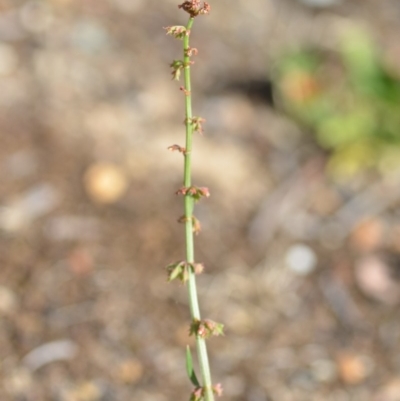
column 8, row 301
column 18, row 382
column 301, row 259
column 105, row 182
column 50, row 352
column 353, row 368
column 368, row 235
column 80, row 262
column 38, row 201
column 375, row 280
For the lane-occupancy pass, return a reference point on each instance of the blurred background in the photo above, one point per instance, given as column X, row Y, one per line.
column 301, row 234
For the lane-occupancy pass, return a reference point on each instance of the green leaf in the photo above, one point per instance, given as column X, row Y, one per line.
column 345, row 129
column 189, row 368
column 360, row 57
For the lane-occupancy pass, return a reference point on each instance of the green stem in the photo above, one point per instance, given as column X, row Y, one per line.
column 189, row 205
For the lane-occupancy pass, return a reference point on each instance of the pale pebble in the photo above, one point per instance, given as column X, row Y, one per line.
column 105, row 182
column 50, row 352
column 301, row 259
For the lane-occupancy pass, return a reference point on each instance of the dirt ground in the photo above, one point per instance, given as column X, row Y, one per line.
column 303, row 271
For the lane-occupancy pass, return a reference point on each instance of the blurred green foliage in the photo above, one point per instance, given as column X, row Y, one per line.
column 349, row 100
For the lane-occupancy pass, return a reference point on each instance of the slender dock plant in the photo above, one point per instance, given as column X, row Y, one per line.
column 187, row 269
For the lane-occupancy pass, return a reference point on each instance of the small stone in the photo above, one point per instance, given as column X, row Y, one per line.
column 8, row 301
column 39, row 200
column 301, row 259
column 50, row 352
column 368, row 235
column 374, row 278
column 80, row 262
column 105, row 182
column 18, row 383
column 353, row 368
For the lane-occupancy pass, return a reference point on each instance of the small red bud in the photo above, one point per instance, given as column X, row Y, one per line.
column 178, row 148
column 182, row 191
column 186, row 92
column 217, row 389
column 196, row 225
column 191, row 51
column 204, row 191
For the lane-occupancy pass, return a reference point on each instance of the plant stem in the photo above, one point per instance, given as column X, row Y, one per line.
column 189, row 205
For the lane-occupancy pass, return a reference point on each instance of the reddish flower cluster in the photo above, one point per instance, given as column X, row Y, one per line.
column 191, row 51
column 177, row 31
column 197, row 124
column 178, row 148
column 181, row 270
column 206, row 328
column 193, row 7
column 195, row 192
column 198, row 394
column 195, row 223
